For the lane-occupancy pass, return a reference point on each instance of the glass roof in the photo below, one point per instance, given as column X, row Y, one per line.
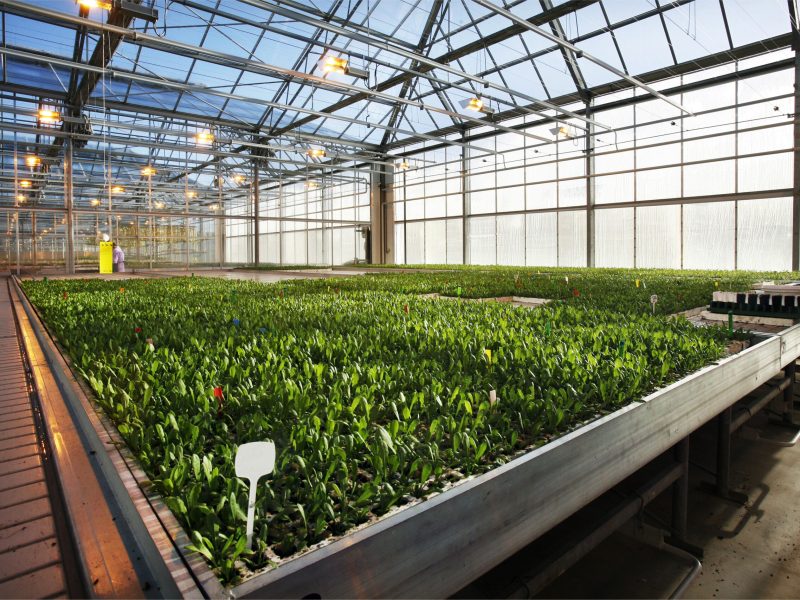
column 255, row 71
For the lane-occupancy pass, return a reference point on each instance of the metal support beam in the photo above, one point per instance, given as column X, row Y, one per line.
column 579, row 53
column 796, row 183
column 590, row 188
column 382, row 216
column 256, row 220
column 70, row 267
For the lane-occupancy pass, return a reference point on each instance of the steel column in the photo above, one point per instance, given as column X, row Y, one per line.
column 256, row 222
column 70, row 266
column 796, row 191
column 590, row 185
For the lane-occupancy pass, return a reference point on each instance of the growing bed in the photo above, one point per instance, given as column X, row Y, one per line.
column 375, row 399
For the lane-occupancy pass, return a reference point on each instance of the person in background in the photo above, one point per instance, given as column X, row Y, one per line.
column 118, row 258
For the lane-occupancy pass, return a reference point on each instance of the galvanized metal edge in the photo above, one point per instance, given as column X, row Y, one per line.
column 435, row 548
column 154, row 575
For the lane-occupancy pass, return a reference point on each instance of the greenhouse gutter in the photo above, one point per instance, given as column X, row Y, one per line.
column 435, row 548
column 148, row 554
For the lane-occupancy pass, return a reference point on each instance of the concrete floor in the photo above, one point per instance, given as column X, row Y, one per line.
column 750, row 551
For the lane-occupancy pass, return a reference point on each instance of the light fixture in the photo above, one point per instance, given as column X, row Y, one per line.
column 213, row 207
column 159, row 205
column 25, row 183
column 191, row 195
column 238, row 179
column 117, row 189
column 148, row 171
column 94, row 4
column 405, row 166
column 312, row 185
column 94, row 202
column 477, row 105
column 204, row 138
column 340, row 65
column 33, row 161
column 316, row 152
column 20, row 197
column 561, row 131
column 48, row 116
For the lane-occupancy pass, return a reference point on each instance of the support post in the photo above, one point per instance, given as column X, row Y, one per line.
column 382, row 215
column 796, row 120
column 788, row 394
column 680, row 501
column 722, row 486
column 256, row 208
column 590, row 186
column 68, row 191
column 33, row 238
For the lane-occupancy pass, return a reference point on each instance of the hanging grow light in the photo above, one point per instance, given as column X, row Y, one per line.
column 405, row 166
column 94, row 4
column 50, row 117
column 340, row 65
column 191, row 195
column 239, row 179
column 94, row 202
column 25, row 184
column 20, row 197
column 316, row 152
column 312, row 185
column 117, row 189
column 204, row 138
column 33, row 161
column 148, row 171
column 159, row 205
column 477, row 105
column 561, row 132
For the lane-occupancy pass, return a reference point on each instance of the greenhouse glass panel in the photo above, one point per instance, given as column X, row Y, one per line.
column 709, row 232
column 482, row 241
column 764, row 234
column 614, row 237
column 511, row 240
column 541, row 240
column 658, row 237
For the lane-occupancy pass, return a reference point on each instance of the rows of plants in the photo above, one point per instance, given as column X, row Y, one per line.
column 611, row 289
column 373, row 398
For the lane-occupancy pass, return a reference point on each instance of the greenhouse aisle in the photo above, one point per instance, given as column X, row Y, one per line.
column 30, row 552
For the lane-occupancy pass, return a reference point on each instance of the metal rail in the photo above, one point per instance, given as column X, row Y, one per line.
column 439, row 546
column 117, row 554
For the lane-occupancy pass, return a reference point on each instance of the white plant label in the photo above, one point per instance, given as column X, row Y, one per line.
column 253, row 461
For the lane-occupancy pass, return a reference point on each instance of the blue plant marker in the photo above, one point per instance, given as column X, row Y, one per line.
column 622, row 348
column 262, row 330
column 236, row 322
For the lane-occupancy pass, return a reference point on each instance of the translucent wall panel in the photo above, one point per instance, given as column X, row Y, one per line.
column 269, row 249
column 771, row 172
column 572, row 192
column 613, row 230
column 709, row 235
column 481, row 202
column 658, row 237
column 541, row 247
column 435, row 207
column 316, row 250
column 765, row 234
column 455, row 242
column 511, row 240
column 511, row 199
column 435, row 242
column 415, row 243
column 481, row 241
column 656, row 184
column 542, row 195
column 613, row 188
column 712, row 178
column 400, row 244
column 572, row 238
